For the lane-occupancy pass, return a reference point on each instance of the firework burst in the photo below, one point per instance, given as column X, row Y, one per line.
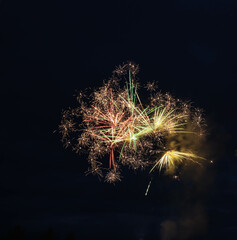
column 114, row 128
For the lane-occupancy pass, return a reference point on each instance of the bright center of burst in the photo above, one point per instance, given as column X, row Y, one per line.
column 133, row 137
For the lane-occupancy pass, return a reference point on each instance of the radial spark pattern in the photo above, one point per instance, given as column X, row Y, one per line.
column 114, row 128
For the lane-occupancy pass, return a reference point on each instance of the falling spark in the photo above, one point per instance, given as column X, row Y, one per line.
column 148, row 187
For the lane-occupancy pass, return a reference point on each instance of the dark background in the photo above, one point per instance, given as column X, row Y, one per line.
column 50, row 49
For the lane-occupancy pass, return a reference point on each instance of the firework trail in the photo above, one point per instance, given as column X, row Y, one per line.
column 114, row 128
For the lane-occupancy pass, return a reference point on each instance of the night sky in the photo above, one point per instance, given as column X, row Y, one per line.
column 48, row 51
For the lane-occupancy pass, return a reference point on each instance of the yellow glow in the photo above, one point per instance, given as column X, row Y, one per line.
column 167, row 120
column 169, row 159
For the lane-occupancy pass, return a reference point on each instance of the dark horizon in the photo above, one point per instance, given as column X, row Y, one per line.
column 50, row 51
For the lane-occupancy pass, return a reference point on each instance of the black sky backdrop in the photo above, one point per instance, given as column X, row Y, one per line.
column 48, row 50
